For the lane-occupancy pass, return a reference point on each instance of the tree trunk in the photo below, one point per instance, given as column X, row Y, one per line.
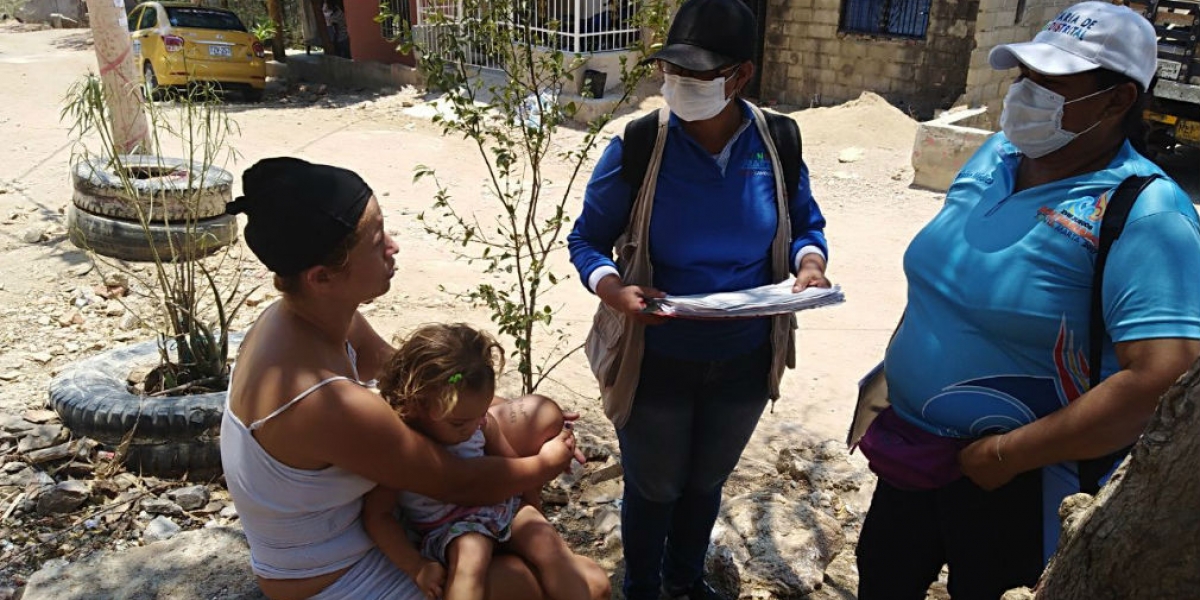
column 122, row 88
column 1140, row 537
column 278, row 48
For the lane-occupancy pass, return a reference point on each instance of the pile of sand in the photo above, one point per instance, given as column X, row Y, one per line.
column 868, row 122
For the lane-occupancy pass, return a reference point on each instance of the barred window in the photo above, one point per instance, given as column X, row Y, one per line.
column 392, row 28
column 893, row 18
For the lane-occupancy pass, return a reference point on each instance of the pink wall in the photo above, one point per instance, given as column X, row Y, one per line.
column 366, row 42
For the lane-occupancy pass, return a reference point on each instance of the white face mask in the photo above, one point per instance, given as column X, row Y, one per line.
column 694, row 99
column 1032, row 118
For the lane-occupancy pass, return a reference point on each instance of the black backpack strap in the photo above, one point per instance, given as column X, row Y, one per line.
column 786, row 135
column 637, row 144
column 1120, row 203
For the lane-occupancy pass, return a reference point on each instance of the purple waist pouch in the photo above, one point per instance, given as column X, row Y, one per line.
column 908, row 457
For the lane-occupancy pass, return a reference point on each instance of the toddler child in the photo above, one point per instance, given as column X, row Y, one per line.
column 441, row 381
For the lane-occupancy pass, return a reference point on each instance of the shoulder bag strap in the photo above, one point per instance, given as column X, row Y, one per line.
column 1116, row 212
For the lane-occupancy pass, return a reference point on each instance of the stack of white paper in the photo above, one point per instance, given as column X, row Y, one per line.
column 767, row 300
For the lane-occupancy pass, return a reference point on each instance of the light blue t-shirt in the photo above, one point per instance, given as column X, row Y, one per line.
column 995, row 333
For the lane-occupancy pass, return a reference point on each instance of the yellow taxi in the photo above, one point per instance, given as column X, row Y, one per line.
column 176, row 43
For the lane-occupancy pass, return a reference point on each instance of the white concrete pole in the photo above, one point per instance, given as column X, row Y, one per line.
column 122, row 88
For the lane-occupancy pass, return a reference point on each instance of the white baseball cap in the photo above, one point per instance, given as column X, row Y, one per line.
column 1087, row 36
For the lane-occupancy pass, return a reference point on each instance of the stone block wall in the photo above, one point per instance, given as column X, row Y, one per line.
column 807, row 62
column 1002, row 22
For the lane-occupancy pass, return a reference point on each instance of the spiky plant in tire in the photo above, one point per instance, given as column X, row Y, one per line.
column 167, row 212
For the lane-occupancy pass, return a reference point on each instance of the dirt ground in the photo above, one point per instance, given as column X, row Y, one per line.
column 871, row 208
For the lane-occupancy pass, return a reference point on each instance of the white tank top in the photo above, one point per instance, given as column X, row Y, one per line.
column 299, row 522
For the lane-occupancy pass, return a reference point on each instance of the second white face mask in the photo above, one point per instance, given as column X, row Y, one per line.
column 1032, row 118
column 694, row 99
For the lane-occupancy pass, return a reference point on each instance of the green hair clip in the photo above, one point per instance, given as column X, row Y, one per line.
column 456, row 378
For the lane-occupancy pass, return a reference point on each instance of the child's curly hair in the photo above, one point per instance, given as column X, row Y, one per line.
column 434, row 363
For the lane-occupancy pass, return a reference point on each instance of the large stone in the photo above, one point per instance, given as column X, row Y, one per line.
column 40, row 416
column 159, row 529
column 603, row 493
column 63, row 497
column 765, row 543
column 206, row 564
column 41, row 436
column 190, row 498
column 14, row 424
column 826, row 470
column 594, row 448
column 52, row 453
column 851, row 155
column 841, row 578
column 17, row 474
column 161, row 506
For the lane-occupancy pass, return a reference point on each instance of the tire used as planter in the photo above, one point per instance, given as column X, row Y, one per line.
column 172, row 436
column 130, row 240
column 166, row 189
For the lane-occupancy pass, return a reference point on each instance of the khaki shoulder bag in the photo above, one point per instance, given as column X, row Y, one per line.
column 614, row 345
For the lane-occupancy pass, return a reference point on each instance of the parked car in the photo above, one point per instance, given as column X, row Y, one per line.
column 176, row 44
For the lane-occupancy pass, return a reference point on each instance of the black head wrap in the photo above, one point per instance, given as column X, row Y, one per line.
column 297, row 212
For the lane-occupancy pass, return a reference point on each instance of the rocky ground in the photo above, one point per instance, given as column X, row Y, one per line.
column 793, row 506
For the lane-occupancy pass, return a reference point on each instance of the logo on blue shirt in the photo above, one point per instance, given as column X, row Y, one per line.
column 757, row 165
column 1078, row 220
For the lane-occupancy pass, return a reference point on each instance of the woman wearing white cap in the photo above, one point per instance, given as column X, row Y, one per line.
column 988, row 374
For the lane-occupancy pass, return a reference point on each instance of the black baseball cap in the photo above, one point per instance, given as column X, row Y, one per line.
column 710, row 34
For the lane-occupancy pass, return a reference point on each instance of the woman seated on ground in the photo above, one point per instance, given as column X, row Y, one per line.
column 303, row 439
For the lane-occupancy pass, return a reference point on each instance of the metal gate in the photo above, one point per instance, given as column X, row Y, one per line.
column 572, row 26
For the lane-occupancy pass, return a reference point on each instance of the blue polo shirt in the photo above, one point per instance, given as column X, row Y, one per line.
column 711, row 230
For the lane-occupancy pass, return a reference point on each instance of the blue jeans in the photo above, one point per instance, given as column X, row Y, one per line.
column 689, row 424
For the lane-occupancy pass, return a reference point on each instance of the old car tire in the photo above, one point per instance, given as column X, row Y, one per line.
column 171, row 435
column 197, row 460
column 167, row 189
column 127, row 240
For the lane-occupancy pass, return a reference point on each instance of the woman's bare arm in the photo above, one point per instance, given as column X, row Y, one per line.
column 1106, row 418
column 373, row 351
column 353, row 428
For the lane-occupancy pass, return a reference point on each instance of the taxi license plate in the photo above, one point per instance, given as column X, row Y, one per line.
column 220, row 51
column 1188, row 131
column 1169, row 69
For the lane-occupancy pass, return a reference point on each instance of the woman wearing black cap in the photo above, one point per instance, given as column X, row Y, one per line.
column 302, row 439
column 722, row 220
